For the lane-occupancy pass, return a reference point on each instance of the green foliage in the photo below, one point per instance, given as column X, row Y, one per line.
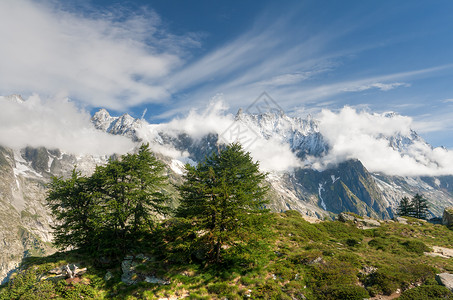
column 112, row 209
column 432, row 292
column 29, row 284
column 269, row 290
column 405, row 207
column 416, row 246
column 221, row 289
column 346, row 292
column 420, row 206
column 417, row 207
column 388, row 279
column 223, row 197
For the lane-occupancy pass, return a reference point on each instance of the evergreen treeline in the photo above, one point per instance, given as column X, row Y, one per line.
column 116, row 208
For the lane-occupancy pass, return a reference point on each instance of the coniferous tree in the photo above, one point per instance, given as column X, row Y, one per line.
column 108, row 211
column 223, row 197
column 405, row 208
column 420, row 207
column 76, row 210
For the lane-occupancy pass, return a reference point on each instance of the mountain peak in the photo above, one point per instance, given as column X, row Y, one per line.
column 14, row 98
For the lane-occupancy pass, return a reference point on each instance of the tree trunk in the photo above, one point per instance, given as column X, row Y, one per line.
column 218, row 246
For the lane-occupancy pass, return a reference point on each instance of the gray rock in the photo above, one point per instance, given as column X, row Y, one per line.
column 447, row 218
column 400, row 220
column 129, row 276
column 344, row 217
column 159, row 281
column 445, row 279
column 370, row 222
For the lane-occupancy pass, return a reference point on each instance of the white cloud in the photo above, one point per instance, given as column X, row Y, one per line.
column 97, row 59
column 448, row 101
column 286, row 79
column 54, row 123
column 361, row 135
column 377, row 85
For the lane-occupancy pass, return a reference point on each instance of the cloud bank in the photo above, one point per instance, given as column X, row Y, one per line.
column 54, row 123
column 365, row 136
column 382, row 142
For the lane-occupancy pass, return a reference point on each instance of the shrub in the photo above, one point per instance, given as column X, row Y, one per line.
column 416, row 247
column 333, row 273
column 382, row 281
column 352, row 242
column 349, row 292
column 432, row 292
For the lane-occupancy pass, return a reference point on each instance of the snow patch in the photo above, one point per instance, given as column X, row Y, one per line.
column 320, row 189
column 334, row 179
column 177, row 166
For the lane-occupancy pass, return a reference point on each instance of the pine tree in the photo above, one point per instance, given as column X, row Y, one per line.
column 420, row 207
column 405, row 208
column 76, row 211
column 108, row 211
column 132, row 192
column 223, row 196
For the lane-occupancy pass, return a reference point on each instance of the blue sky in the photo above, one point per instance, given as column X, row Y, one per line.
column 171, row 56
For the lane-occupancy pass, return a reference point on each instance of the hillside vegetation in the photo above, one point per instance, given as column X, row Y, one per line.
column 296, row 260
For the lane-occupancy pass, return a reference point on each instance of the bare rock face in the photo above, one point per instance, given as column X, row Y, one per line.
column 447, row 218
column 445, row 279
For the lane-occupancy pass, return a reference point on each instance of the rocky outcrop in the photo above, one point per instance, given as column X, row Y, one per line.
column 445, row 279
column 360, row 222
column 447, row 218
column 441, row 252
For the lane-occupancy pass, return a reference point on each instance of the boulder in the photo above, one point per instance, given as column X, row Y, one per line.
column 447, row 218
column 400, row 220
column 368, row 222
column 344, row 217
column 445, row 279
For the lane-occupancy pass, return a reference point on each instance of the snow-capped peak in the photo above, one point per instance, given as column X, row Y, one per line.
column 13, row 98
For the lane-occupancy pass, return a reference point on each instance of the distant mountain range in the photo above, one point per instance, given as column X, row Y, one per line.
column 25, row 223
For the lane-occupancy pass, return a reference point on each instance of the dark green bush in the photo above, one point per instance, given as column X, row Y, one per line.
column 346, row 292
column 379, row 243
column 431, row 292
column 382, row 281
column 416, row 247
column 352, row 242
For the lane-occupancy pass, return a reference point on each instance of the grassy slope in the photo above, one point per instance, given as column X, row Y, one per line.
column 315, row 261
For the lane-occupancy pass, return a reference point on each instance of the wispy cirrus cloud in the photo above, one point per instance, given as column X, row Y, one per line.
column 377, row 85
